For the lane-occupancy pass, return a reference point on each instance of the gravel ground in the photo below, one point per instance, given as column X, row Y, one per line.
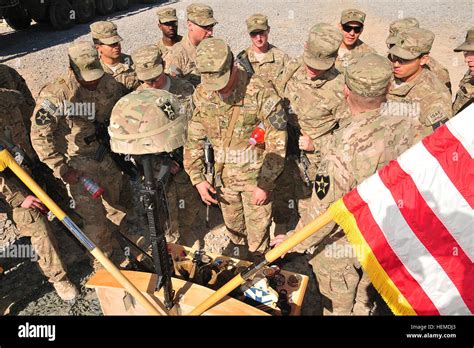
column 39, row 54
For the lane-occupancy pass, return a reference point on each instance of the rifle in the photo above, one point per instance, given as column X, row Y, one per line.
column 302, row 160
column 209, row 159
column 243, row 60
column 101, row 135
column 152, row 196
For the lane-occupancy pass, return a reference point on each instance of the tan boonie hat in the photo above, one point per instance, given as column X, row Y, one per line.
column 398, row 25
column 105, row 32
column 369, row 75
column 147, row 122
column 148, row 62
column 201, row 14
column 257, row 22
column 84, row 60
column 166, row 15
column 321, row 48
column 412, row 43
column 352, row 15
column 213, row 58
column 468, row 44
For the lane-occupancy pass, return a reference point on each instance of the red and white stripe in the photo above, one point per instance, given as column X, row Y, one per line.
column 417, row 216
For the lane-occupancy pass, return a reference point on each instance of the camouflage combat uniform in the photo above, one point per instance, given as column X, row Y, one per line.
column 12, row 82
column 363, row 144
column 166, row 15
column 30, row 222
column 312, row 104
column 184, row 203
column 465, row 94
column 244, row 167
column 181, row 60
column 269, row 68
column 425, row 98
column 122, row 72
column 59, row 139
column 345, row 57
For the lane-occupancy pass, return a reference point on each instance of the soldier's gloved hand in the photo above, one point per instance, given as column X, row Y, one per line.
column 305, row 143
column 72, row 176
column 204, row 188
column 259, row 196
column 31, row 202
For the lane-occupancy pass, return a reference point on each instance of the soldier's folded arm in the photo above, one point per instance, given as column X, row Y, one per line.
column 13, row 192
column 194, row 149
column 44, row 125
column 274, row 119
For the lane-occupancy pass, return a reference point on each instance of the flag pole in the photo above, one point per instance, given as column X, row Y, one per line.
column 7, row 161
column 271, row 256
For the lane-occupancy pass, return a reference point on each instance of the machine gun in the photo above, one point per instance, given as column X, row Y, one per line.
column 302, row 160
column 101, row 135
column 243, row 59
column 153, row 197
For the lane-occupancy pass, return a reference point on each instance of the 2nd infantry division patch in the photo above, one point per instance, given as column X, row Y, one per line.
column 322, row 185
column 43, row 117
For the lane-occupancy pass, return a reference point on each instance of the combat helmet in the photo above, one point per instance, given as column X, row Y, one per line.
column 147, row 122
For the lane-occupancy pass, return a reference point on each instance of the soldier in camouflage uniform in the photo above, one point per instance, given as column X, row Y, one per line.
column 64, row 136
column 114, row 62
column 465, row 93
column 313, row 90
column 27, row 210
column 184, row 203
column 12, row 82
column 267, row 60
column 229, row 106
column 416, row 92
column 365, row 142
column 182, row 58
column 268, row 63
column 433, row 65
column 168, row 24
column 351, row 27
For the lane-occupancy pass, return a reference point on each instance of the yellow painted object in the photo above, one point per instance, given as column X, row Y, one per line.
column 7, row 161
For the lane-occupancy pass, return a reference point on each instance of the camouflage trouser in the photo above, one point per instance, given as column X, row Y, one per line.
column 285, row 200
column 184, row 206
column 245, row 220
column 32, row 224
column 97, row 212
column 343, row 285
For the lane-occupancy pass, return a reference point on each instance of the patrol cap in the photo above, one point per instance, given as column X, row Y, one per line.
column 352, row 15
column 84, row 60
column 201, row 14
column 105, row 32
column 398, row 25
column 257, row 22
column 321, row 48
column 369, row 75
column 468, row 44
column 213, row 60
column 148, row 62
column 412, row 43
column 146, row 122
column 166, row 15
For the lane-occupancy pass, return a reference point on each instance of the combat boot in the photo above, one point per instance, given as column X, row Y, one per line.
column 66, row 290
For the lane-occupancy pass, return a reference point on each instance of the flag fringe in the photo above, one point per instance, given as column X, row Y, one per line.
column 382, row 282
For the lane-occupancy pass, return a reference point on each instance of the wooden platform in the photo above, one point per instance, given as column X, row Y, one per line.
column 114, row 300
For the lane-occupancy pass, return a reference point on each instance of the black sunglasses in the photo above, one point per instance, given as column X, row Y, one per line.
column 402, row 61
column 348, row 28
column 207, row 27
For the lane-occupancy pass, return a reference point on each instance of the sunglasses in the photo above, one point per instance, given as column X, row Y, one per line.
column 207, row 27
column 111, row 45
column 402, row 61
column 255, row 33
column 348, row 28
